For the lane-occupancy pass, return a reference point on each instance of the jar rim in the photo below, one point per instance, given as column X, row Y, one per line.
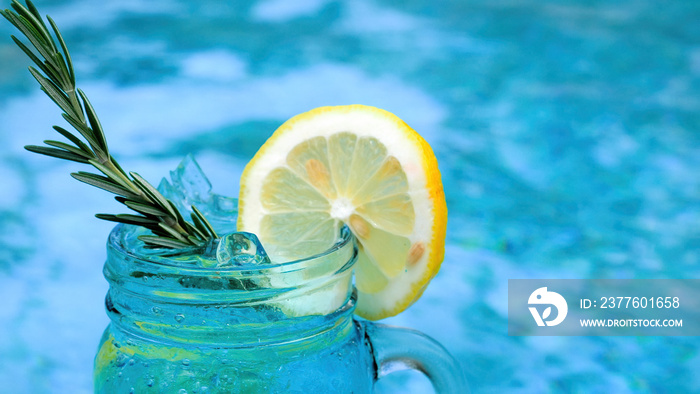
column 117, row 243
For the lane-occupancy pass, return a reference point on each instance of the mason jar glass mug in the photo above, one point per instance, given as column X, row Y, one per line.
column 178, row 326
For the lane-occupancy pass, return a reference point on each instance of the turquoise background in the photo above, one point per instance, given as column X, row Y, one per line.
column 567, row 134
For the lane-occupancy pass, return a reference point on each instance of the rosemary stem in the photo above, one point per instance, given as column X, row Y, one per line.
column 133, row 188
column 75, row 103
column 57, row 79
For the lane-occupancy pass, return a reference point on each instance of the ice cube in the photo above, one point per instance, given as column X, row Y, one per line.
column 240, row 249
column 175, row 195
column 189, row 186
column 190, row 179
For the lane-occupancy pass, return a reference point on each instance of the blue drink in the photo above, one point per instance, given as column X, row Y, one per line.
column 178, row 326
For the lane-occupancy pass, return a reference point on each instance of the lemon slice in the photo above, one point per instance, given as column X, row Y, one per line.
column 359, row 166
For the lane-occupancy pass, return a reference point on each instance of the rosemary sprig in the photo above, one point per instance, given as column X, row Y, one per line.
column 56, row 76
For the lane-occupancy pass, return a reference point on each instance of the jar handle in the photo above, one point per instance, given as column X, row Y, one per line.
column 396, row 349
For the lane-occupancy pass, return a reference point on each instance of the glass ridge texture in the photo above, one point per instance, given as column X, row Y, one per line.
column 180, row 326
column 176, row 327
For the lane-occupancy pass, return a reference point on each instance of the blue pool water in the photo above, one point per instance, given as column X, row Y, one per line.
column 567, row 132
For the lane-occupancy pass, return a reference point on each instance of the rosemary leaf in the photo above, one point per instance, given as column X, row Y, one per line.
column 82, row 128
column 103, row 183
column 159, row 232
column 80, row 144
column 153, row 193
column 33, row 16
column 58, row 153
column 114, row 176
column 143, row 208
column 29, row 31
column 194, row 240
column 192, row 229
column 94, row 123
column 178, row 215
column 201, row 228
column 52, row 90
column 31, row 55
column 119, row 168
column 64, row 48
column 173, row 233
column 68, row 147
column 62, row 68
column 128, row 219
column 204, row 221
column 26, row 27
column 164, row 242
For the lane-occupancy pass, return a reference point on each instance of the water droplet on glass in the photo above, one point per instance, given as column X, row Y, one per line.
column 179, row 317
column 132, row 362
column 186, row 362
column 156, row 310
column 121, row 360
column 150, row 382
column 182, row 391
